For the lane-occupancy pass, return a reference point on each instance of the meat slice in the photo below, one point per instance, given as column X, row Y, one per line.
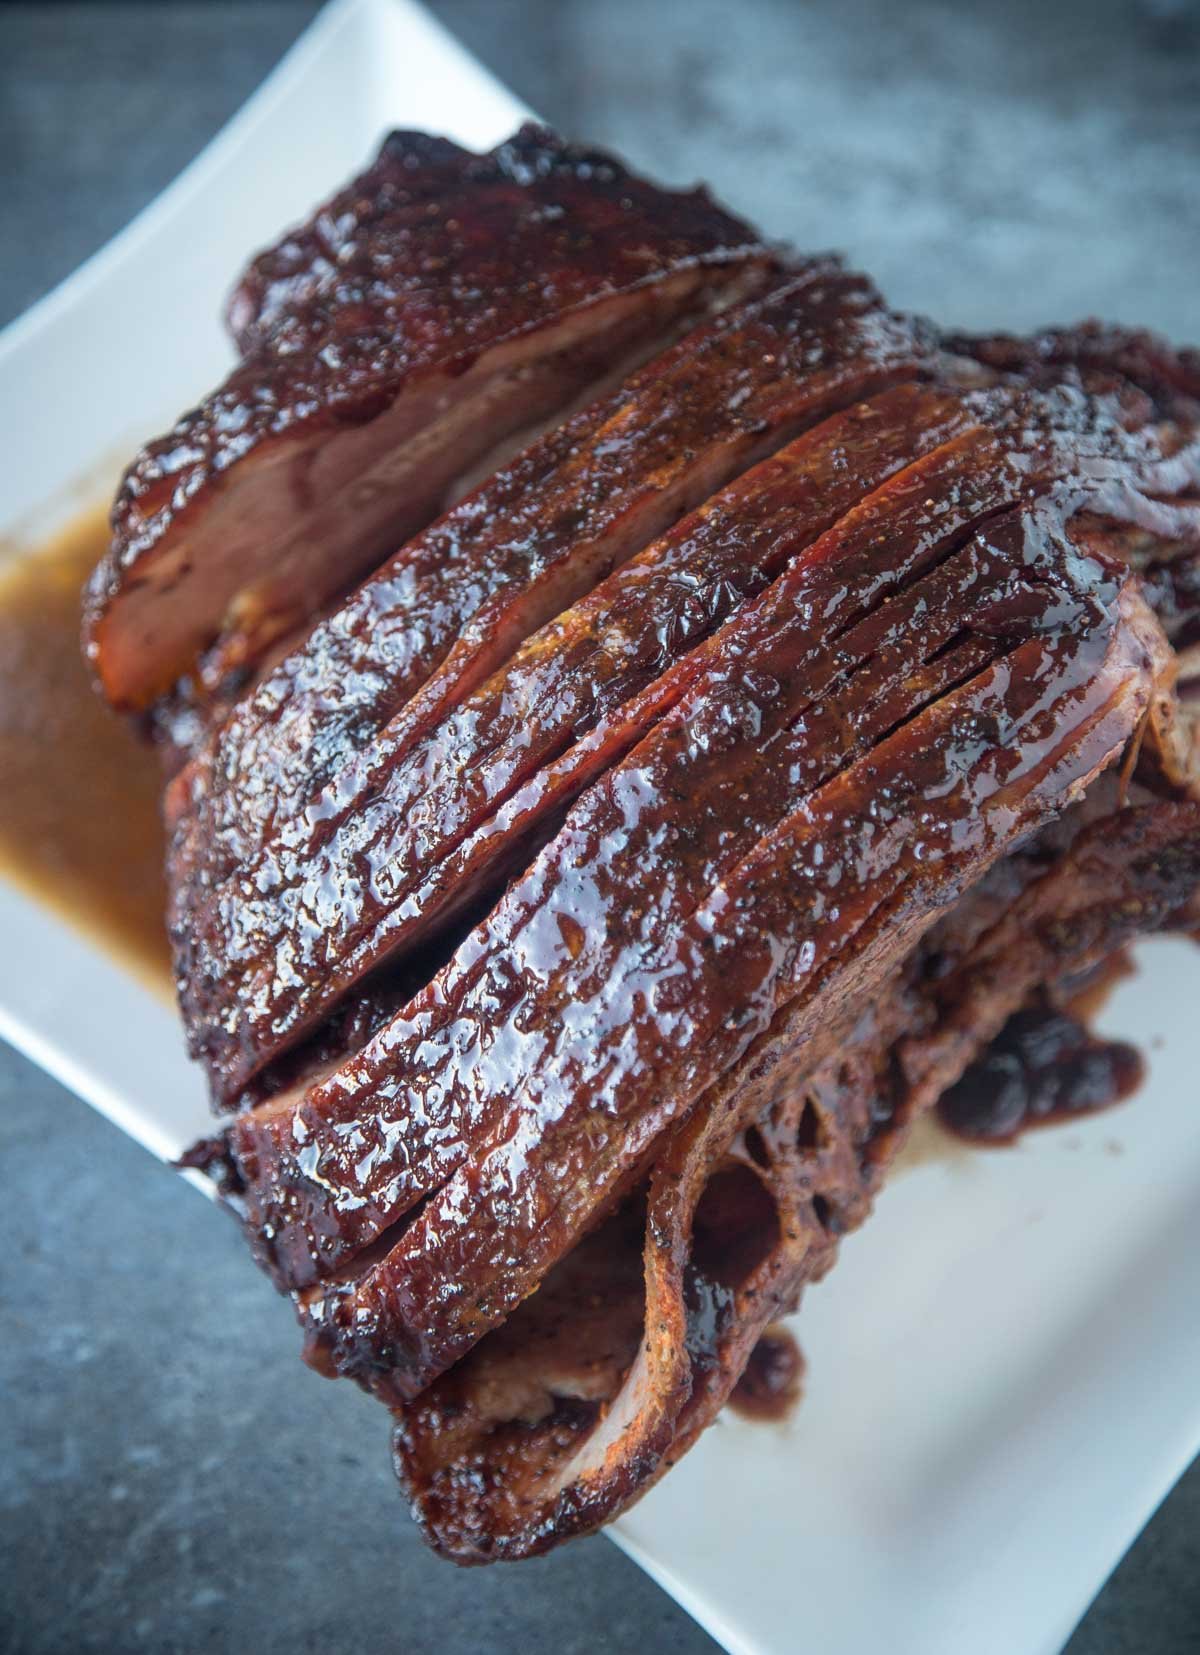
column 416, row 794
column 816, row 912
column 602, row 1380
column 436, row 809
column 425, row 206
column 369, row 1133
column 447, row 302
column 528, row 543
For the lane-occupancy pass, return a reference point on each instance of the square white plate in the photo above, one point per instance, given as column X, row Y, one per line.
column 1004, row 1369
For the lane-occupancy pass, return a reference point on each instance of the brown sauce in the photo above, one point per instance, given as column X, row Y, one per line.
column 774, row 1378
column 79, row 823
column 1045, row 1066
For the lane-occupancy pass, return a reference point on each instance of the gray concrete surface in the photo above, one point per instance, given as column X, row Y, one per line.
column 170, row 1477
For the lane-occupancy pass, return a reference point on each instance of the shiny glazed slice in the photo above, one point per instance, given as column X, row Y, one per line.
column 361, row 852
column 574, row 1087
column 395, row 1137
column 567, row 1413
column 411, row 832
column 463, row 297
column 525, row 545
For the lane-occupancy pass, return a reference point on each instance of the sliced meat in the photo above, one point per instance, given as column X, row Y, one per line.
column 557, row 1421
column 530, row 542
column 816, row 913
column 425, row 207
column 580, row 891
column 410, row 806
column 328, row 1173
column 466, row 297
column 411, row 834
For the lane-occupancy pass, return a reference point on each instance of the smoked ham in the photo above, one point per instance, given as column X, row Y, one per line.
column 640, row 717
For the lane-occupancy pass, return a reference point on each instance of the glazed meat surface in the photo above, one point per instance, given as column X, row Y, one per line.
column 418, row 811
column 419, row 799
column 345, row 708
column 550, row 1425
column 531, row 1021
column 579, row 887
column 445, row 302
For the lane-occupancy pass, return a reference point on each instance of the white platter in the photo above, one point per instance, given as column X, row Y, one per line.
column 1004, row 1369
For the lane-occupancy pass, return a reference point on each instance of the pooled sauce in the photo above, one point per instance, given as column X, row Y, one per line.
column 1045, row 1066
column 774, row 1378
column 79, row 821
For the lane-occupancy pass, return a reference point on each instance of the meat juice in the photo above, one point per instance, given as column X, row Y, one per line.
column 80, row 829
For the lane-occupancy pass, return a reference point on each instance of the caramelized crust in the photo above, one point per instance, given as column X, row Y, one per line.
column 447, row 610
column 583, row 901
column 1104, row 360
column 435, row 809
column 445, row 302
column 904, row 626
column 544, row 1431
column 446, row 245
column 428, row 785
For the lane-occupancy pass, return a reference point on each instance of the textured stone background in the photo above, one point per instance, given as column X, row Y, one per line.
column 170, row 1477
